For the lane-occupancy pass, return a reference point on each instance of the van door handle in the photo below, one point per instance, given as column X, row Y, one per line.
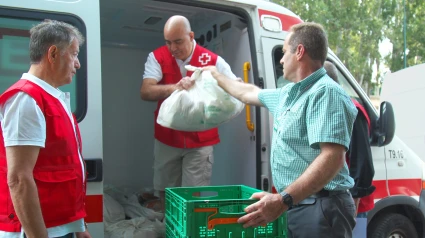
column 249, row 124
column 94, row 169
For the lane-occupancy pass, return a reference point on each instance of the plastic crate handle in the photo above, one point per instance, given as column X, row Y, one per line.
column 220, row 221
column 216, row 221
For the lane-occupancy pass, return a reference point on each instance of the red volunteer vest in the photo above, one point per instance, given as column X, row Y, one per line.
column 57, row 172
column 171, row 75
column 366, row 203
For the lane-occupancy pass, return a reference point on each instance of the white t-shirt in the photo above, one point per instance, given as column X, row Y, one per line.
column 23, row 123
column 153, row 69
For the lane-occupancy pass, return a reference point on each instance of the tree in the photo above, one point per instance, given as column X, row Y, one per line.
column 355, row 29
column 415, row 34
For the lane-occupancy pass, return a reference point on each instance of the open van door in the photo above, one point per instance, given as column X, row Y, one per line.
column 273, row 78
column 16, row 18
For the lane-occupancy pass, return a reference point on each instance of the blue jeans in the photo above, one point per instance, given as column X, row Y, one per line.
column 362, row 215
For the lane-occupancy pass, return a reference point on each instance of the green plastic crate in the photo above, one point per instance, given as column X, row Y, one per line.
column 213, row 213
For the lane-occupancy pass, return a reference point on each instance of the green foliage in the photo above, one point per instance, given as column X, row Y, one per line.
column 355, row 29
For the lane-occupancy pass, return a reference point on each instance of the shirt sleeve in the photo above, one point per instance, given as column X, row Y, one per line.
column 152, row 68
column 360, row 159
column 22, row 122
column 224, row 68
column 270, row 99
column 329, row 117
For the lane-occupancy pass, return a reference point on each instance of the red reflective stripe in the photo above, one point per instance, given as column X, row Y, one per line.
column 94, row 208
column 287, row 21
column 408, row 187
column 381, row 189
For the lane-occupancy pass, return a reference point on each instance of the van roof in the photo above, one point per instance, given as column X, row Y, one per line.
column 265, row 5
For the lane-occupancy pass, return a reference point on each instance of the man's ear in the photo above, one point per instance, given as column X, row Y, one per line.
column 300, row 51
column 52, row 54
column 191, row 35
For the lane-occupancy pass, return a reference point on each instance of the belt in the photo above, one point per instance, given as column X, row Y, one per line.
column 322, row 193
column 327, row 193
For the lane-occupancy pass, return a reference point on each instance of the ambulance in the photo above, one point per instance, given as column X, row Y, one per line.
column 403, row 89
column 117, row 126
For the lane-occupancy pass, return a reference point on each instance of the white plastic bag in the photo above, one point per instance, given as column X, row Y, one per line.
column 202, row 107
column 112, row 210
column 139, row 227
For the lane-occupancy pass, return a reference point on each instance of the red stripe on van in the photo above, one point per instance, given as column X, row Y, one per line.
column 94, row 208
column 381, row 189
column 409, row 187
column 287, row 21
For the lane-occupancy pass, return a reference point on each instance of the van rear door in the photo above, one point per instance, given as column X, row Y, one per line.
column 16, row 18
column 273, row 78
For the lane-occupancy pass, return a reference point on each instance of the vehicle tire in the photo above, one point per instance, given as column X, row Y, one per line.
column 392, row 225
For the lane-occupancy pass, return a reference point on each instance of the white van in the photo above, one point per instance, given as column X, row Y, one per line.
column 117, row 126
column 403, row 89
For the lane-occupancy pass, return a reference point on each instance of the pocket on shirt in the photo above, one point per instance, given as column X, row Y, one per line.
column 59, row 127
column 292, row 125
column 52, row 184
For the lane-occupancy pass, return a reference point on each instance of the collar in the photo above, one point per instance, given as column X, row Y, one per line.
column 311, row 79
column 55, row 92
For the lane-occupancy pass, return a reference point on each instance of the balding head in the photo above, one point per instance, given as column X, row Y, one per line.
column 179, row 37
column 177, row 22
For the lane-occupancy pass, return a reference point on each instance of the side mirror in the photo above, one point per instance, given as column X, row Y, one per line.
column 386, row 124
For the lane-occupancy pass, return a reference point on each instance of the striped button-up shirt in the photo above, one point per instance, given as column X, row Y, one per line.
column 312, row 111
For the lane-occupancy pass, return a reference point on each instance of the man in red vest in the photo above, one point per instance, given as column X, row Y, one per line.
column 181, row 158
column 359, row 156
column 42, row 173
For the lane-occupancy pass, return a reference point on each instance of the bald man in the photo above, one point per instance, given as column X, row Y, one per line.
column 181, row 158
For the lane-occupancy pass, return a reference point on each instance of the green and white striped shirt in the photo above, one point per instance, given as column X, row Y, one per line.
column 312, row 111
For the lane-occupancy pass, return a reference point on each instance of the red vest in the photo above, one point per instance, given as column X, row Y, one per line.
column 57, row 172
column 171, row 75
column 366, row 203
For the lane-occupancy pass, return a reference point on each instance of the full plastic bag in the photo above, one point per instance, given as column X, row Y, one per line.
column 139, row 227
column 112, row 210
column 202, row 107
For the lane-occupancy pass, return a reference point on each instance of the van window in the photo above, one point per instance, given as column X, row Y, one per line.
column 278, row 67
column 14, row 53
column 347, row 86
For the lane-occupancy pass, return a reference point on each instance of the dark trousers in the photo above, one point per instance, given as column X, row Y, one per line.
column 330, row 216
column 70, row 235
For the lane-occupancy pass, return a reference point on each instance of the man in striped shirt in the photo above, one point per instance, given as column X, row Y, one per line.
column 313, row 121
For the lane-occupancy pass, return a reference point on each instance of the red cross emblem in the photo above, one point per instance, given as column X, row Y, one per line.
column 204, row 58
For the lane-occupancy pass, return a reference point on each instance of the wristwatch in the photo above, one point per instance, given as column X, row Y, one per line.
column 287, row 199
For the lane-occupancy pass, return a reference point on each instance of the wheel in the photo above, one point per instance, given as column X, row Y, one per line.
column 392, row 225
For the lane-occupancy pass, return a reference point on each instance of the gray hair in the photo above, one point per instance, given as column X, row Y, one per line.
column 331, row 70
column 313, row 37
column 51, row 32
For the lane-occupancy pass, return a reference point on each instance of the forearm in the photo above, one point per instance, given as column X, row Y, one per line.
column 157, row 92
column 23, row 191
column 244, row 92
column 317, row 175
